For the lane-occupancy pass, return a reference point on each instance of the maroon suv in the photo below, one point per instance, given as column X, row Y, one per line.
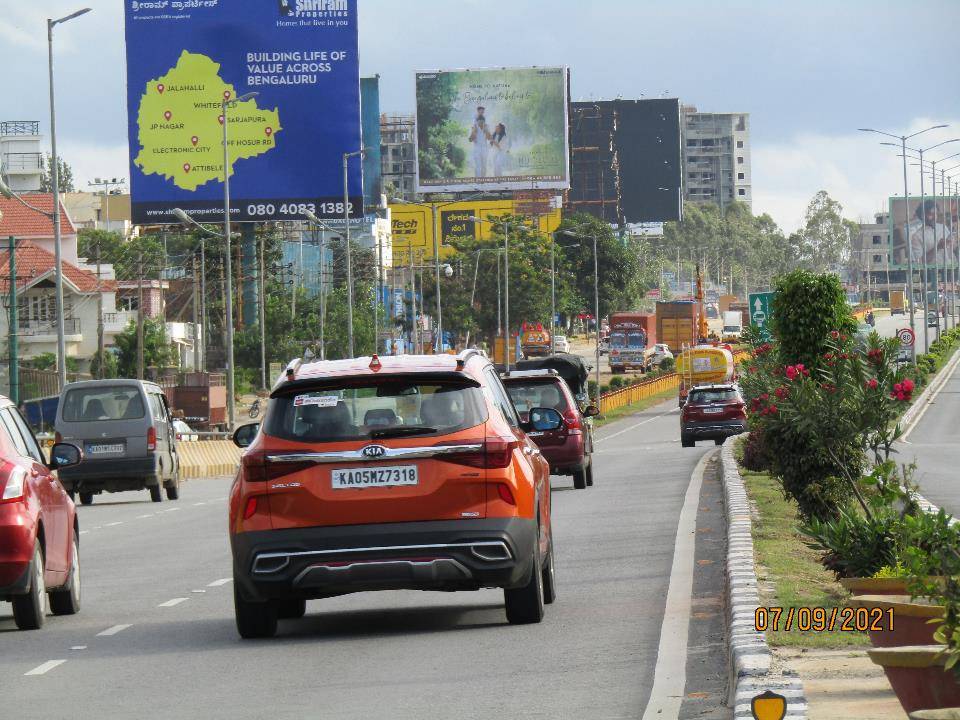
column 569, row 449
column 712, row 412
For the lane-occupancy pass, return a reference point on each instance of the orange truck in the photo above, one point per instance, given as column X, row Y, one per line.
column 677, row 324
column 535, row 340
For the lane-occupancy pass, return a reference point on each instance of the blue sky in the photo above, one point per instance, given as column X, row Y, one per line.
column 808, row 71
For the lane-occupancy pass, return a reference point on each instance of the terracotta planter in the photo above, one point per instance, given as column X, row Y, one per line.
column 911, row 624
column 875, row 586
column 916, row 674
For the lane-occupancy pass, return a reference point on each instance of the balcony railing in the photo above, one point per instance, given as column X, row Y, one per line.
column 28, row 328
column 23, row 161
column 20, row 127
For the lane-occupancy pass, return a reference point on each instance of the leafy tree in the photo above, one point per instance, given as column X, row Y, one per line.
column 124, row 255
column 157, row 351
column 825, row 238
column 64, row 176
column 110, row 366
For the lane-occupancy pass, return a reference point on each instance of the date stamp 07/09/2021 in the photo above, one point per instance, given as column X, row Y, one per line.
column 820, row 619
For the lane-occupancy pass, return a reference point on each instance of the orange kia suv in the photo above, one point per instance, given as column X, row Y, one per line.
column 406, row 472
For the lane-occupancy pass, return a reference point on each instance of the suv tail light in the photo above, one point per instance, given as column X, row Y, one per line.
column 256, row 467
column 151, row 438
column 572, row 420
column 496, row 452
column 12, row 480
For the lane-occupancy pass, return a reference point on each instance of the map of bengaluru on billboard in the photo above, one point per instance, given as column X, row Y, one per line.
column 492, row 129
column 285, row 144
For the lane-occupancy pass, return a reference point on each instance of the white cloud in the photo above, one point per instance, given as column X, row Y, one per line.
column 853, row 168
column 89, row 161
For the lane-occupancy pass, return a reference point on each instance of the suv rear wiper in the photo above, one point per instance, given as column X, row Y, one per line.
column 401, row 430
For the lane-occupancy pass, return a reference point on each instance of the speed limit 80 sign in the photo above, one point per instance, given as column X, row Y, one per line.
column 906, row 337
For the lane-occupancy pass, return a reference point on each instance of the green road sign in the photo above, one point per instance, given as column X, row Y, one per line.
column 759, row 304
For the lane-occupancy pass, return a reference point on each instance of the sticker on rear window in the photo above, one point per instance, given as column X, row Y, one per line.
column 320, row 400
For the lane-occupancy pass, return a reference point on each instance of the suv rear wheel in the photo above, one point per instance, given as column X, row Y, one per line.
column 525, row 604
column 291, row 608
column 254, row 619
column 156, row 493
column 66, row 600
column 86, row 498
column 549, row 578
column 580, row 477
column 687, row 441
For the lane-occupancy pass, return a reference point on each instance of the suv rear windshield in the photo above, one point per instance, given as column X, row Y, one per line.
column 370, row 410
column 104, row 402
column 543, row 393
column 705, row 397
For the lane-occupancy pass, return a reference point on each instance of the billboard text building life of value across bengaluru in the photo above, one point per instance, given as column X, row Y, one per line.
column 285, row 145
column 492, row 129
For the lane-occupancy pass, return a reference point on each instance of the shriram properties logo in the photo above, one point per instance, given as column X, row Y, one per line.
column 314, row 8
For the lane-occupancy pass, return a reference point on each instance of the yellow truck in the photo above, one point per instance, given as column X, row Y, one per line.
column 704, row 365
column 898, row 302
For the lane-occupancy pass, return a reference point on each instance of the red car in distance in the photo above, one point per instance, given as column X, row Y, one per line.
column 569, row 448
column 39, row 535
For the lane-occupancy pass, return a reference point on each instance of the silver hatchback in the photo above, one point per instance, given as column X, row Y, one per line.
column 126, row 432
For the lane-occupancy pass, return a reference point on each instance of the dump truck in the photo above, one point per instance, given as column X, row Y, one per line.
column 677, row 324
column 704, row 365
column 898, row 299
column 631, row 333
column 202, row 399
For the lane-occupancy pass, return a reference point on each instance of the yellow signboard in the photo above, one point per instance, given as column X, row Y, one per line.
column 412, row 225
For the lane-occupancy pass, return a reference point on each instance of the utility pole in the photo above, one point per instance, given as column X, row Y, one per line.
column 197, row 331
column 203, row 303
column 140, row 316
column 323, row 295
column 99, row 318
column 263, row 314
column 14, row 360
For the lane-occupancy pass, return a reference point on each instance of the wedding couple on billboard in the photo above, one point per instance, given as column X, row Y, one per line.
column 491, row 148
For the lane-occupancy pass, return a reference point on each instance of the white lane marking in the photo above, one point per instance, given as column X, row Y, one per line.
column 172, row 510
column 79, row 647
column 196, row 504
column 112, row 630
column 947, row 377
column 171, row 603
column 45, row 668
column 198, row 591
column 220, row 582
column 143, row 517
column 84, row 532
column 670, row 674
column 118, row 522
column 634, row 427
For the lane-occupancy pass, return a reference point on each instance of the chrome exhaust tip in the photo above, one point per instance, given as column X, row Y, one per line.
column 496, row 551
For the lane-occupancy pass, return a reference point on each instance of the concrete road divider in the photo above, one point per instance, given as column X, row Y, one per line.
column 208, row 458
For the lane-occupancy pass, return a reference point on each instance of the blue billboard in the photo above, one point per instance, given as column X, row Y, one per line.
column 286, row 143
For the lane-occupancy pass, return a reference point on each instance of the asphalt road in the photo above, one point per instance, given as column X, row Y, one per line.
column 156, row 638
column 888, row 325
column 934, row 443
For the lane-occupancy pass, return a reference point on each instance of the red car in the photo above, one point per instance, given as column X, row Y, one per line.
column 569, row 448
column 407, row 472
column 712, row 412
column 39, row 536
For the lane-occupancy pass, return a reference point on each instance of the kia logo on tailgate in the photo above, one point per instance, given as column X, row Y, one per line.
column 374, row 451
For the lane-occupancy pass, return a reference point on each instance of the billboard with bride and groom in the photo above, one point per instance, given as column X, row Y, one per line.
column 492, row 129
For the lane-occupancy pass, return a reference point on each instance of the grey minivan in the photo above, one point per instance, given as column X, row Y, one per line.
column 126, row 431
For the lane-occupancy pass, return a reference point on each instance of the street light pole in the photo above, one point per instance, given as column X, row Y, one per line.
column 228, row 264
column 553, row 287
column 346, row 221
column 55, row 176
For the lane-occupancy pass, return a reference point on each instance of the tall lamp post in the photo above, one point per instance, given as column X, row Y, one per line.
column 955, row 233
column 947, row 232
column 596, row 302
column 323, row 227
column 906, row 216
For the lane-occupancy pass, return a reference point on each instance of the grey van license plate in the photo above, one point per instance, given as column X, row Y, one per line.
column 105, row 448
column 374, row 477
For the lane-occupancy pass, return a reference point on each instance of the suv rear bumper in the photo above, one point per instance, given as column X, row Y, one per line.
column 112, row 474
column 714, row 428
column 437, row 555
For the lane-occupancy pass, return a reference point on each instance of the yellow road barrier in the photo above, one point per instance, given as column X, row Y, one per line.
column 208, row 458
